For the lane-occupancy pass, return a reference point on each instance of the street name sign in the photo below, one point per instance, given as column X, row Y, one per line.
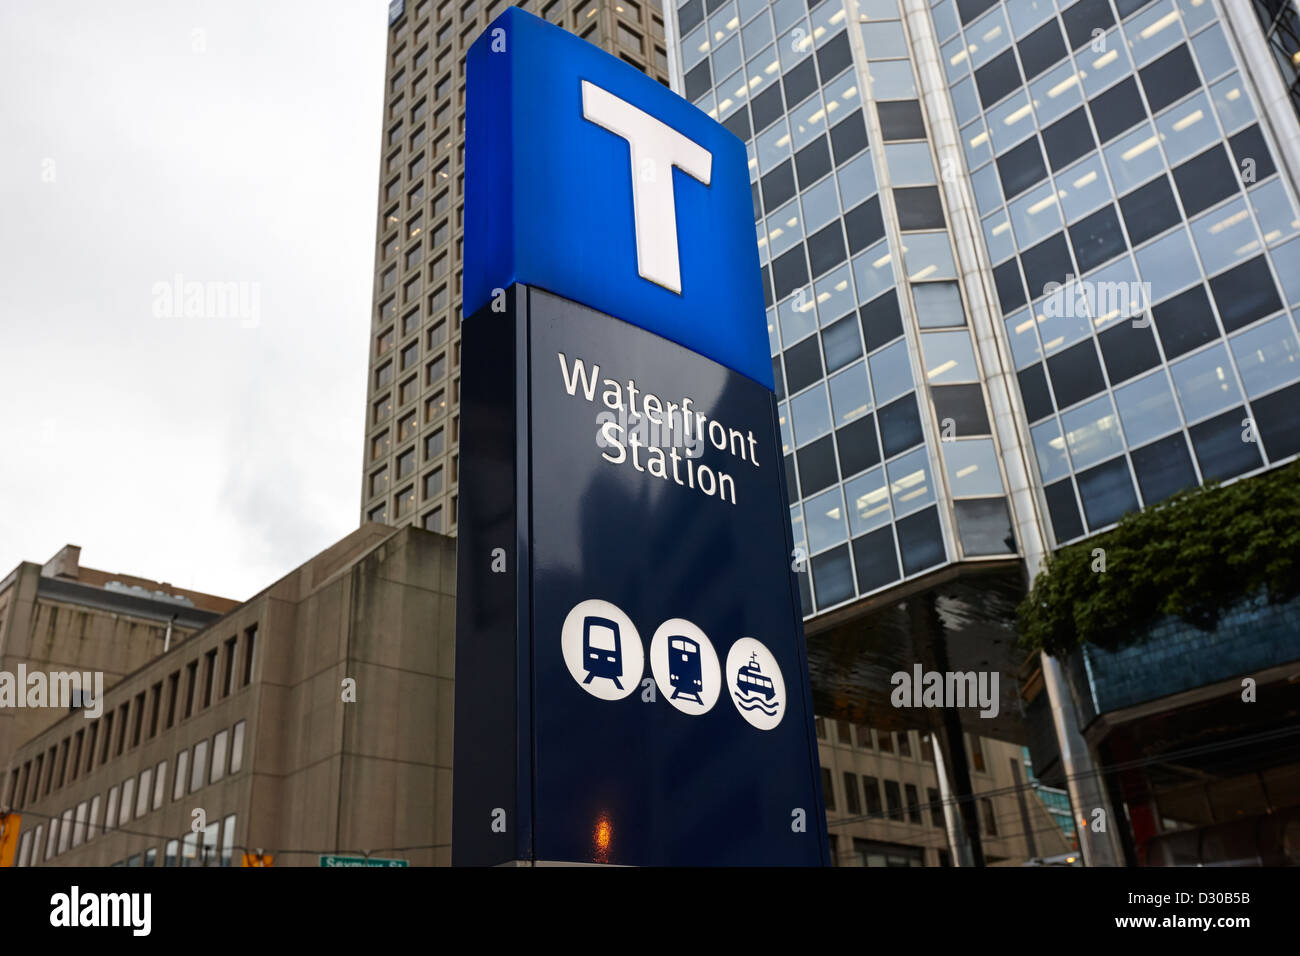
column 335, row 861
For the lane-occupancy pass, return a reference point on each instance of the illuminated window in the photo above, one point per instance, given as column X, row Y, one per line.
column 436, row 406
column 406, row 427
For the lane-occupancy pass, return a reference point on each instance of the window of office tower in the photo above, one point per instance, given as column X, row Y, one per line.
column 782, row 77
column 1118, row 150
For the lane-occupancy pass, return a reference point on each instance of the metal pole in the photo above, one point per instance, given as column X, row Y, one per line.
column 957, row 843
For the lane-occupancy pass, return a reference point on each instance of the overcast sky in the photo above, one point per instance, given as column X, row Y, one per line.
column 224, row 141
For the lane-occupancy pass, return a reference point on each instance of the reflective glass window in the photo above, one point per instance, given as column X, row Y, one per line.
column 1134, row 158
column 868, row 501
column 1100, row 70
column 1267, row 356
column 811, row 415
column 873, row 271
column 1168, row 264
column 938, row 305
column 987, row 36
column 885, row 40
column 825, row 519
column 1092, row 432
column 1010, row 121
column 857, row 179
column 1212, row 53
column 1056, row 92
column 1107, row 493
column 972, row 467
column 1082, row 188
column 1024, row 343
column 1274, row 210
column 1205, row 382
column 909, row 482
column 1049, row 449
column 891, row 372
column 1224, row 236
column 892, row 79
column 997, row 236
column 909, row 164
column 1153, row 31
column 928, row 255
column 1232, row 103
column 1035, row 215
column 949, row 357
column 1187, row 128
column 850, row 394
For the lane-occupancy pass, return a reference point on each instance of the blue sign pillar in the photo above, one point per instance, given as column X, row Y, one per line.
column 631, row 681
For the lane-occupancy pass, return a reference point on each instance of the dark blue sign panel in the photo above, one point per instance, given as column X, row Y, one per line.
column 631, row 682
column 586, row 177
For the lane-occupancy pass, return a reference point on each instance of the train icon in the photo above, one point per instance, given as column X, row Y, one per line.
column 602, row 649
column 684, row 673
column 685, row 667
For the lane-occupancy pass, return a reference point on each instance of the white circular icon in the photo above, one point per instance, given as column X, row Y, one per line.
column 755, row 683
column 685, row 666
column 602, row 650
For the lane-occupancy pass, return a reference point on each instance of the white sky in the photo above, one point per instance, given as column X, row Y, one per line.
column 225, row 141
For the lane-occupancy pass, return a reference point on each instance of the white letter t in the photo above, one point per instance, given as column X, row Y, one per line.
column 655, row 148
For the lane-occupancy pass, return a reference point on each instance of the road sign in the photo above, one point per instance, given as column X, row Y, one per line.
column 631, row 682
column 361, row 861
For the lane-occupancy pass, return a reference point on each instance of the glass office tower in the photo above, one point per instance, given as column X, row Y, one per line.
column 1029, row 266
column 929, row 183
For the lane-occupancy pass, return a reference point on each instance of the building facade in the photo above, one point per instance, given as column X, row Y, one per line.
column 410, row 472
column 885, row 803
column 1029, row 266
column 62, row 617
column 314, row 719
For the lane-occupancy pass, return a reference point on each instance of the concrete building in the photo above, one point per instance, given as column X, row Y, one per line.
column 315, row 718
column 413, row 397
column 1029, row 266
column 885, row 806
column 63, row 617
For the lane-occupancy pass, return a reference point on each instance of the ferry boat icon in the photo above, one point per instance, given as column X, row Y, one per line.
column 751, row 681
